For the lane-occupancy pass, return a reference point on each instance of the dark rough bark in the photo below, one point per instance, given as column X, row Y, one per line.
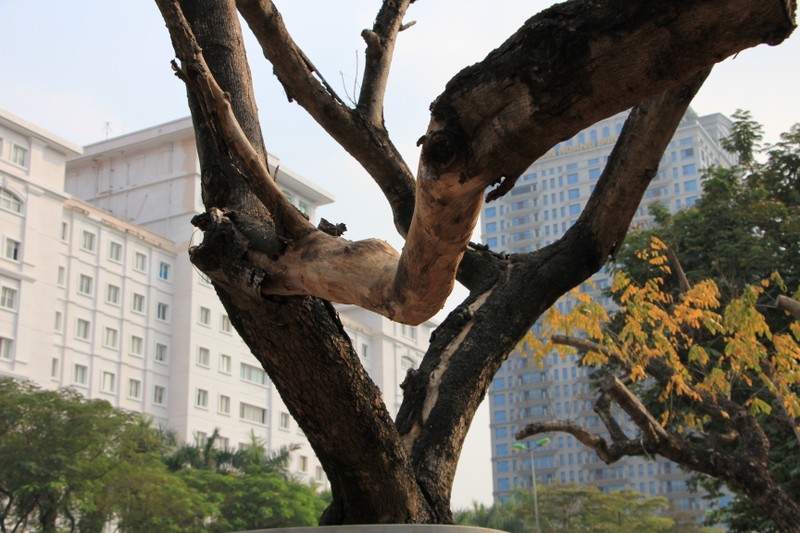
column 563, row 70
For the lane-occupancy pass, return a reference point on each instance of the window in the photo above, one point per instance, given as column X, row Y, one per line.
column 572, row 178
column 12, row 249
column 162, row 353
column 57, row 321
column 108, row 382
column 80, row 374
column 140, row 262
column 65, row 231
column 303, row 463
column 690, row 186
column 137, row 303
column 163, row 270
column 137, row 345
column 574, row 194
column 225, row 324
column 284, row 422
column 490, row 212
column 225, row 363
column 87, row 241
column 19, row 155
column 203, row 356
column 82, row 329
column 8, row 298
column 365, row 350
column 594, row 173
column 62, row 276
column 6, row 348
column 688, row 170
column 251, row 413
column 162, row 311
column 408, row 331
column 55, row 366
column 491, row 227
column 318, row 474
column 134, row 389
column 574, row 209
column 253, row 374
column 201, row 399
column 115, row 251
column 687, row 153
column 159, row 395
column 10, row 202
column 110, row 338
column 205, row 316
column 224, row 404
column 112, row 294
column 85, row 284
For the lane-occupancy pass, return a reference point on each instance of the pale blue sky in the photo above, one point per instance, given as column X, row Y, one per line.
column 87, row 67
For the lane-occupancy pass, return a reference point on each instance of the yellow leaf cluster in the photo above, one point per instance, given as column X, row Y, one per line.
column 655, row 326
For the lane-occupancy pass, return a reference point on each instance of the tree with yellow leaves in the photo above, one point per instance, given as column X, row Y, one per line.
column 704, row 382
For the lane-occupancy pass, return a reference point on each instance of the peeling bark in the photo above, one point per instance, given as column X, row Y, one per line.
column 563, row 70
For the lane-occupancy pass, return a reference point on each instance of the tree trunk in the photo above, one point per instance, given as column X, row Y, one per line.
column 574, row 64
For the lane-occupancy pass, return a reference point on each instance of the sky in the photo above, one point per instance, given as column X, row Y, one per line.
column 88, row 70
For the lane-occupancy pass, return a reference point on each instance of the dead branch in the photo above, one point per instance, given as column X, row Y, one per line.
column 789, row 305
column 380, row 49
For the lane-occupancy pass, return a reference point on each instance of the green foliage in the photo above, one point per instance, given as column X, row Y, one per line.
column 66, row 461
column 572, row 508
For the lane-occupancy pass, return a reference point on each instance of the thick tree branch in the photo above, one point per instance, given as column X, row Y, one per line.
column 607, row 452
column 577, row 62
column 380, row 49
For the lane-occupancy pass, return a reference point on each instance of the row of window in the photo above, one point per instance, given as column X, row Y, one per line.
column 88, row 243
column 108, row 382
column 113, row 295
column 19, row 154
column 204, row 319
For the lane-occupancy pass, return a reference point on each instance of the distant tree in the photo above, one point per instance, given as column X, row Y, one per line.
column 571, row 508
column 563, row 70
column 77, row 463
column 497, row 516
column 744, row 227
column 250, row 488
column 697, row 378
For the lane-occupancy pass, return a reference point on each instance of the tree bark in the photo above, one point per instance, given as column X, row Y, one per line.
column 566, row 68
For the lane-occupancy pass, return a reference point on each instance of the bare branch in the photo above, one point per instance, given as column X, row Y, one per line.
column 683, row 281
column 608, row 452
column 789, row 305
column 380, row 49
column 225, row 127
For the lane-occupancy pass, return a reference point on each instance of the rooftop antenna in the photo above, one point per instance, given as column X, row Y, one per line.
column 108, row 129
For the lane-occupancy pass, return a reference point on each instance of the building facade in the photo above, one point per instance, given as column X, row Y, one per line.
column 546, row 201
column 98, row 292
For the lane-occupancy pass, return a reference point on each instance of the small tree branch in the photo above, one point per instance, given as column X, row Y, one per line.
column 380, row 49
column 789, row 305
column 683, row 281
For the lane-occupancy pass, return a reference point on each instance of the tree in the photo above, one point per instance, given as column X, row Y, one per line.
column 564, row 69
column 66, row 460
column 250, row 488
column 743, row 229
column 698, row 378
column 572, row 508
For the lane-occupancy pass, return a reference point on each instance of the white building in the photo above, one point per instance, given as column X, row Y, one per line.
column 546, row 201
column 99, row 293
